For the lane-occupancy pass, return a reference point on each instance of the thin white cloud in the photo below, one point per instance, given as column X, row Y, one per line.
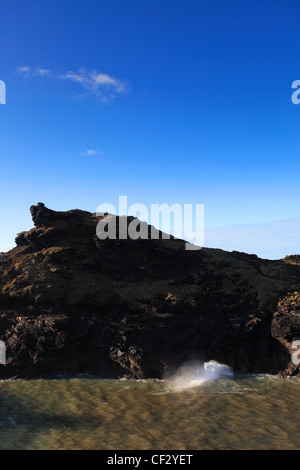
column 90, row 152
column 42, row 72
column 96, row 83
column 25, row 70
column 101, row 85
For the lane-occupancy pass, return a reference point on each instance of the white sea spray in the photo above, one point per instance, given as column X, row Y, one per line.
column 193, row 375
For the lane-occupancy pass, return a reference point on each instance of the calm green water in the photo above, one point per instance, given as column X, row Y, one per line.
column 260, row 412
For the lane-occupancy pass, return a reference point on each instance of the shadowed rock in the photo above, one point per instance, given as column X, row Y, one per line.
column 71, row 303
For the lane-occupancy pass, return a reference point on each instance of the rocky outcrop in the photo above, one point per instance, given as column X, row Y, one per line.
column 72, row 303
column 286, row 329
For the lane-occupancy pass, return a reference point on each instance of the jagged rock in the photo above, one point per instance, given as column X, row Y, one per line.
column 292, row 259
column 73, row 303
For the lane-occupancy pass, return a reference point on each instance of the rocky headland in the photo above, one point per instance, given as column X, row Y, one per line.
column 71, row 303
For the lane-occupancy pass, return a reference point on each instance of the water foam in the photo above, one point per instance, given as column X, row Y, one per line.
column 190, row 376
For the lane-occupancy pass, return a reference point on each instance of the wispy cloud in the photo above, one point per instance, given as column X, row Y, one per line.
column 28, row 71
column 25, row 70
column 90, row 152
column 42, row 72
column 98, row 84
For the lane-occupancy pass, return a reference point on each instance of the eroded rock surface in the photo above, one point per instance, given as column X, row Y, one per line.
column 71, row 303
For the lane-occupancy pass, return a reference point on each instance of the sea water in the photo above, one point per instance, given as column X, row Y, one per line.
column 200, row 406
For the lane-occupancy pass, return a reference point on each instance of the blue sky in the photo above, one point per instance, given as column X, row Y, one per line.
column 169, row 101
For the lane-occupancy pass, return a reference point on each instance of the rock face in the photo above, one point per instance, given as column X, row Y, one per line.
column 71, row 303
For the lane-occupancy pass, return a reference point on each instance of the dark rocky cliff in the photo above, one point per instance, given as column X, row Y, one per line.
column 71, row 303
